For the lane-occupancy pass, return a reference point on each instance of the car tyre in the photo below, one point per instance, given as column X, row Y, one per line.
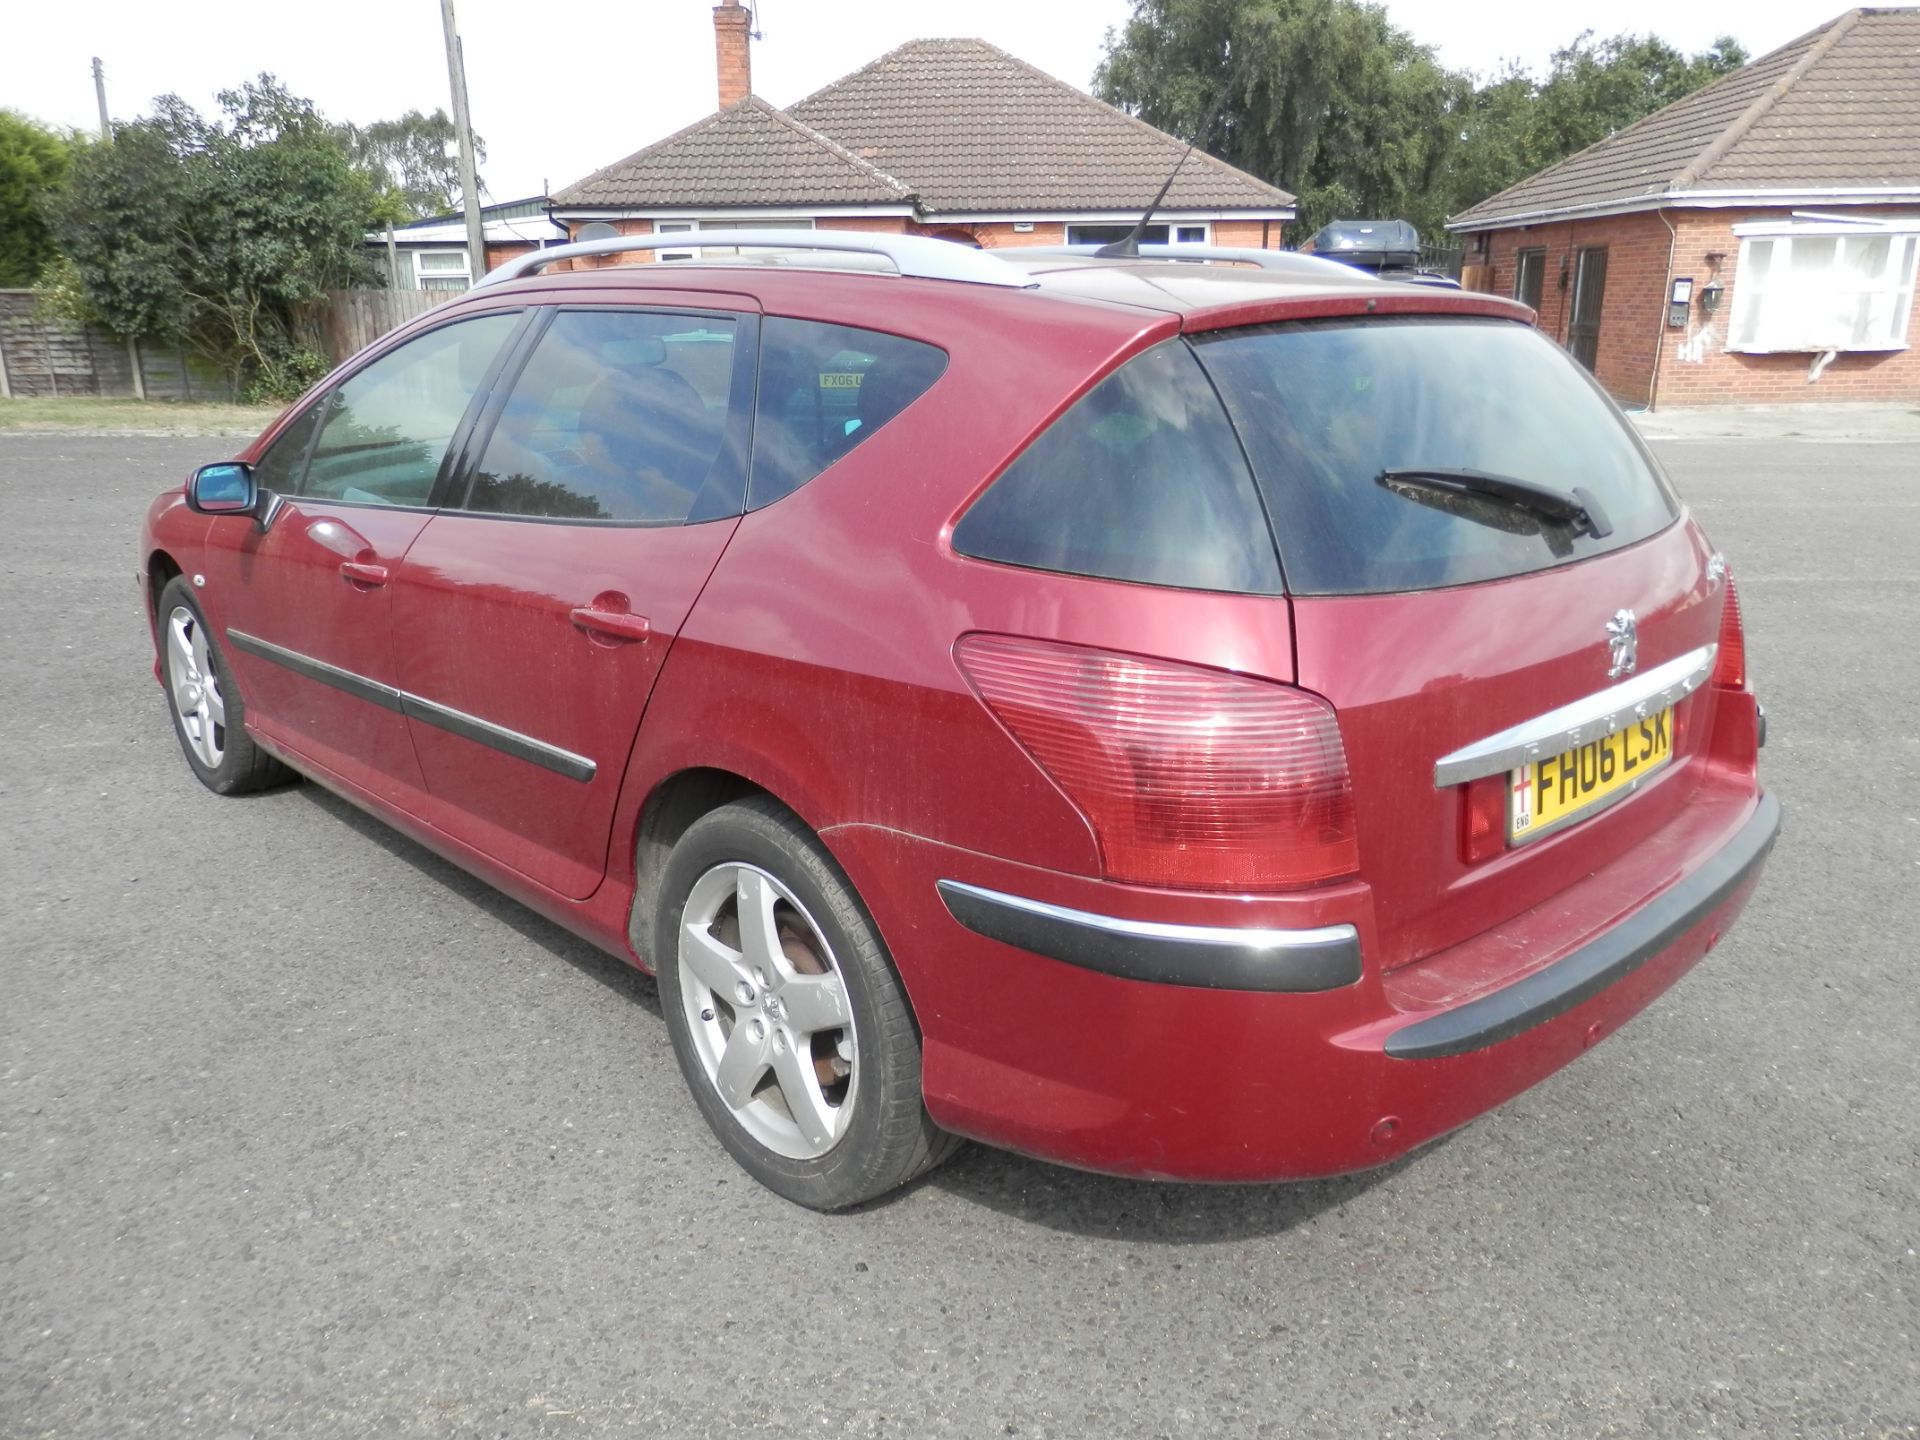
column 787, row 1017
column 209, row 717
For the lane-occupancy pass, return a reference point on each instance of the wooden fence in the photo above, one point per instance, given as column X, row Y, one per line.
column 357, row 318
column 45, row 358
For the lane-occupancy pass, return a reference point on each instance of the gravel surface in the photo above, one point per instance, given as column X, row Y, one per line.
column 305, row 1133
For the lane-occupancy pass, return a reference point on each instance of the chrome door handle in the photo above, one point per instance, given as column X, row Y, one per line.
column 359, row 572
column 612, row 623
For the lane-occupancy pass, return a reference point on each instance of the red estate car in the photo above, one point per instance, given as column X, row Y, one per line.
column 1180, row 720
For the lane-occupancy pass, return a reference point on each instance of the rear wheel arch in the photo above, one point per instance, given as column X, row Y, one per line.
column 670, row 809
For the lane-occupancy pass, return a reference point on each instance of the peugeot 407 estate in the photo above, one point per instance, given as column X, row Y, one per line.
column 1226, row 721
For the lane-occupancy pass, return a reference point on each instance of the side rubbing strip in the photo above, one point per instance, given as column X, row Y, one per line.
column 498, row 737
column 358, row 686
column 427, row 712
column 1206, row 957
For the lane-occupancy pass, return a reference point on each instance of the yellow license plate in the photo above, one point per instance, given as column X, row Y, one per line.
column 1546, row 794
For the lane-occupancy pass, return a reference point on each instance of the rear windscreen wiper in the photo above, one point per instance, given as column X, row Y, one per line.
column 1575, row 507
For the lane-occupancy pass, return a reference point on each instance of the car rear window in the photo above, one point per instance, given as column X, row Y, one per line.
column 1141, row 480
column 825, row 389
column 1326, row 408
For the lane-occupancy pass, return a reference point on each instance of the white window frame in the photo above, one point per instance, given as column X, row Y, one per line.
column 462, row 270
column 687, row 227
column 1174, row 229
column 1805, row 317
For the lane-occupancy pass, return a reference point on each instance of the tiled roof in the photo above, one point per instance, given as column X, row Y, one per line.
column 973, row 129
column 1837, row 109
column 957, row 125
column 748, row 154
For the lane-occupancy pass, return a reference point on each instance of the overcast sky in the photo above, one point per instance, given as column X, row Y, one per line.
column 559, row 90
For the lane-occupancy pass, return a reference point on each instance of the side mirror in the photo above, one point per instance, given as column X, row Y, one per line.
column 223, row 489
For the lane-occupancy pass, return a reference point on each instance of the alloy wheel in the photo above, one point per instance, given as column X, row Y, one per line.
column 768, row 1011
column 195, row 687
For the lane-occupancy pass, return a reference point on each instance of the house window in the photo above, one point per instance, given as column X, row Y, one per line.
column 441, row 269
column 1529, row 272
column 712, row 252
column 1823, row 288
column 1152, row 235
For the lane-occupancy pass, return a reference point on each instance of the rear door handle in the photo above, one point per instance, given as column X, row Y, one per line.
column 361, row 573
column 617, row 624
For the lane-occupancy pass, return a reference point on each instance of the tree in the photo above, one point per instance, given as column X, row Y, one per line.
column 33, row 163
column 223, row 235
column 1359, row 120
column 1593, row 89
column 1334, row 103
column 414, row 161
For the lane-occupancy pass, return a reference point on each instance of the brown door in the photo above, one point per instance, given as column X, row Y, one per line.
column 1589, row 286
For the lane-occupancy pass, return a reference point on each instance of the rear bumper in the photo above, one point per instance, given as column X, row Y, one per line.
column 1647, row 934
column 1059, row 1042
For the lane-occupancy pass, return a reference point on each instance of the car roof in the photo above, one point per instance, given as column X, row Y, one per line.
column 1200, row 296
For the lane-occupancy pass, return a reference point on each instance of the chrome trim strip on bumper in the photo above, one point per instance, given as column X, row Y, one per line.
column 1573, row 725
column 1606, row 960
column 417, row 707
column 358, row 686
column 1211, row 957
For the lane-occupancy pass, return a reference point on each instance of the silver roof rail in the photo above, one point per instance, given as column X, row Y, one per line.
column 1290, row 262
column 913, row 255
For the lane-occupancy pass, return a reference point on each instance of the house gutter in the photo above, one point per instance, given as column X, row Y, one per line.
column 1696, row 199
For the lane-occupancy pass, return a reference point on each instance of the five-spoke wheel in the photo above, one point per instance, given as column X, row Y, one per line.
column 207, row 712
column 201, row 714
column 768, row 1011
column 787, row 1017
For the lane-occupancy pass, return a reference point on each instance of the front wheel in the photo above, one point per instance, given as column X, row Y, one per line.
column 208, row 716
column 789, row 1023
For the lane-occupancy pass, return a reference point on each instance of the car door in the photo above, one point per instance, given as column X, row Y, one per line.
column 305, row 602
column 533, row 614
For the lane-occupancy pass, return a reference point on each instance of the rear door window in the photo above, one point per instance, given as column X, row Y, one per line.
column 1141, row 479
column 825, row 389
column 1326, row 409
column 386, row 428
column 619, row 415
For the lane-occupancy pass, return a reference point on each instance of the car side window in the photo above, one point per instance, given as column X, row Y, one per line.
column 824, row 389
column 1142, row 479
column 617, row 415
column 285, row 462
column 385, row 430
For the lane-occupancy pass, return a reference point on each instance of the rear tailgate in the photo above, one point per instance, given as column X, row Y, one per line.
column 1417, row 677
column 1473, row 539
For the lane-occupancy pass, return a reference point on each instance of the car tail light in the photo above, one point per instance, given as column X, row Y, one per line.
column 1190, row 777
column 1730, row 665
column 1483, row 819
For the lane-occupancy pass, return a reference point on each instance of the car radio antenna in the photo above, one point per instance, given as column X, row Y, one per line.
column 1127, row 247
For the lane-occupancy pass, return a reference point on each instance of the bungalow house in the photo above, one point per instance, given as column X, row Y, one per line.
column 431, row 254
column 950, row 138
column 1752, row 242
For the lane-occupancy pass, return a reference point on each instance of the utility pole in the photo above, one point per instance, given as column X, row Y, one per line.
column 100, row 94
column 106, row 133
column 463, row 127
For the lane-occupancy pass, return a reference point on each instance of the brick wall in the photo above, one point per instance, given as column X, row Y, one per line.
column 1705, row 372
column 1694, row 365
column 1633, row 305
column 1248, row 234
